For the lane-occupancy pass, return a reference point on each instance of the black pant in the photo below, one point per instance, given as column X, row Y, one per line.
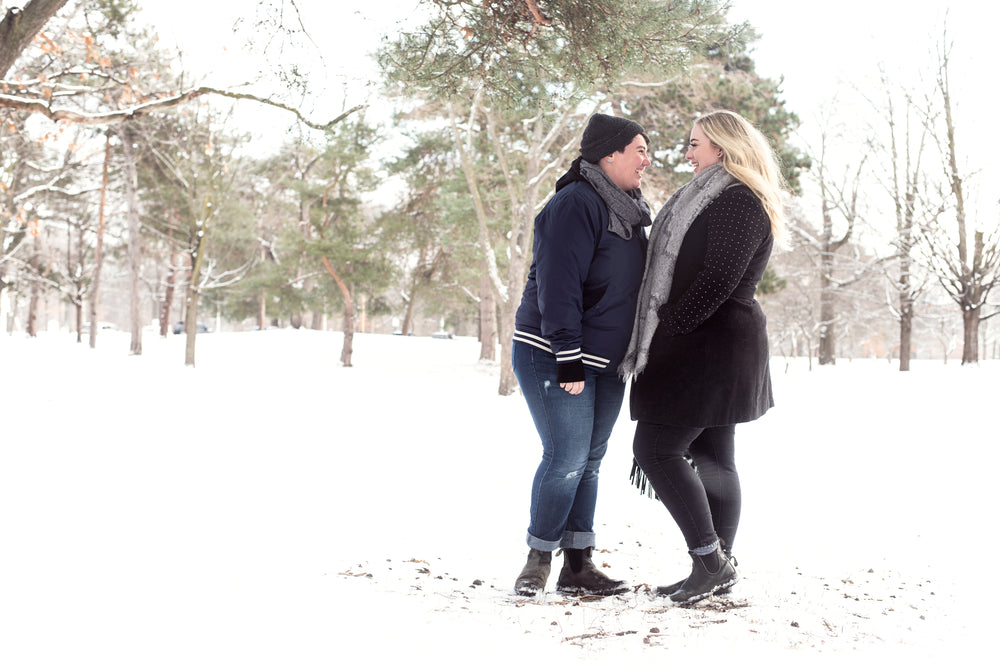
column 704, row 500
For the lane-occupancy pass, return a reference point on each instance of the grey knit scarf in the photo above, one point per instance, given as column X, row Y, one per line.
column 626, row 209
column 665, row 238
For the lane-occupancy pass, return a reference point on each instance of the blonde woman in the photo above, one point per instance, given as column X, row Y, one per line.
column 698, row 356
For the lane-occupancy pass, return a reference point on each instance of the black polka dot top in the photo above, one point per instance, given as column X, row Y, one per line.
column 723, row 256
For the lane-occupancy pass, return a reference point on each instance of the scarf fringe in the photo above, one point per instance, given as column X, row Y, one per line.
column 640, row 481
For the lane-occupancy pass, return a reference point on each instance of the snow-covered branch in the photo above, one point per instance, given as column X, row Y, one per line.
column 44, row 107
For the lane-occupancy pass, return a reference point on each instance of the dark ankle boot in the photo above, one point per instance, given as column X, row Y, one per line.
column 671, row 589
column 532, row 579
column 579, row 575
column 709, row 574
column 676, row 586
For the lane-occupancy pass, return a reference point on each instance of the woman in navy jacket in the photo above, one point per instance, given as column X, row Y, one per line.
column 699, row 353
column 571, row 332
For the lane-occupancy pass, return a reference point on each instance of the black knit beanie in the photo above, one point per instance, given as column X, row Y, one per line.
column 608, row 134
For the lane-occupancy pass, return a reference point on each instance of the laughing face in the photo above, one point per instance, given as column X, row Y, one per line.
column 702, row 153
column 625, row 167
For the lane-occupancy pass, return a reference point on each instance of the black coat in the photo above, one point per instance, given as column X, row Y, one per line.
column 708, row 359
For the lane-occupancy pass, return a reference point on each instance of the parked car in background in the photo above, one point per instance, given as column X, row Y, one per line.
column 201, row 328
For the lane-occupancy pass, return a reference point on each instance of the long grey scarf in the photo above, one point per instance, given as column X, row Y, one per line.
column 665, row 238
column 626, row 209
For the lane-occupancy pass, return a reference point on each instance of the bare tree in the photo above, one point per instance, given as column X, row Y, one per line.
column 965, row 258
column 51, row 95
column 904, row 183
column 99, row 245
column 134, row 240
column 838, row 259
column 119, row 91
column 542, row 156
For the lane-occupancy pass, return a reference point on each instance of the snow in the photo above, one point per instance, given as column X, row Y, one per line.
column 271, row 507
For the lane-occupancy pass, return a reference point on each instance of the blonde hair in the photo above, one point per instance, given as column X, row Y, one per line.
column 747, row 155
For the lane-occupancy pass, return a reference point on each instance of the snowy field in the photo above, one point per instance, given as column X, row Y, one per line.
column 270, row 507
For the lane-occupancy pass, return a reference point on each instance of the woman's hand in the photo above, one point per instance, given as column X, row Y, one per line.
column 573, row 388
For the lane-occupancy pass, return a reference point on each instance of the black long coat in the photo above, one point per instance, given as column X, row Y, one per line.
column 708, row 359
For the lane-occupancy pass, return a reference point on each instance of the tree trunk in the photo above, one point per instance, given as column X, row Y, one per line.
column 970, row 337
column 12, row 315
column 190, row 325
column 487, row 321
column 134, row 242
column 827, row 333
column 906, row 307
column 36, row 284
column 905, row 333
column 363, row 314
column 168, row 295
column 99, row 247
column 407, row 327
column 19, row 27
column 78, row 311
column 348, row 350
column 75, row 279
column 193, row 298
column 191, row 302
column 508, row 383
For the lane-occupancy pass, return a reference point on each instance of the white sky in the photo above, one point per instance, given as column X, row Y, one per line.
column 824, row 51
column 830, row 53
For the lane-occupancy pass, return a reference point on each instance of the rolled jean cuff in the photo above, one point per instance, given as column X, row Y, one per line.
column 570, row 540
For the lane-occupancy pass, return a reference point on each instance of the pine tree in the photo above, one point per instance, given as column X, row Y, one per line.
column 514, row 74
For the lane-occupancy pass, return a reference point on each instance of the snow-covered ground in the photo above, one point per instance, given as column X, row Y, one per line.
column 270, row 507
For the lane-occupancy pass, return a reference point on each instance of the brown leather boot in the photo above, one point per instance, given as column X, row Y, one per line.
column 580, row 576
column 536, row 570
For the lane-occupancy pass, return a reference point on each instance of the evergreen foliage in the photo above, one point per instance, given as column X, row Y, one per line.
column 561, row 46
column 718, row 79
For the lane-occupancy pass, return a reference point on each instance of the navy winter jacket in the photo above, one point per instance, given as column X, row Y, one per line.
column 580, row 299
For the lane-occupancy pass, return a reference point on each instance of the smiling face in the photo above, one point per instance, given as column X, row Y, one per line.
column 702, row 153
column 625, row 167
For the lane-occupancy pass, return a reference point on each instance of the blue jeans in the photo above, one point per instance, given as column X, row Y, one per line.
column 574, row 432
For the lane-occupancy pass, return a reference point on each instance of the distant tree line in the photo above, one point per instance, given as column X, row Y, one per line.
column 160, row 195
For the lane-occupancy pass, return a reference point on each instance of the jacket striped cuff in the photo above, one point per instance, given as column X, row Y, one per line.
column 574, row 356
